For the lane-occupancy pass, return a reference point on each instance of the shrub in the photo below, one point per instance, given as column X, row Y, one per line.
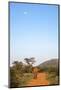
column 19, row 74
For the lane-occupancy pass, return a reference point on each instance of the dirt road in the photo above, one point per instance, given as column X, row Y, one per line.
column 41, row 80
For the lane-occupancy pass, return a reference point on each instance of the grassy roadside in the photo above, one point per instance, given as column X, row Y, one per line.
column 53, row 79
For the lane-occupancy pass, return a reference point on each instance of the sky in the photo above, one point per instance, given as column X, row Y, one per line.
column 33, row 32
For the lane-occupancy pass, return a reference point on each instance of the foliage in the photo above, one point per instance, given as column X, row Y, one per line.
column 20, row 74
column 52, row 74
column 27, row 69
column 16, row 74
column 53, row 79
column 42, row 69
column 30, row 61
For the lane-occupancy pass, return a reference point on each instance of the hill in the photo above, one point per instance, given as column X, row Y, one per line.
column 50, row 63
column 52, row 68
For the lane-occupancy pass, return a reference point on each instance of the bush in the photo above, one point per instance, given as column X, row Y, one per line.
column 42, row 69
column 15, row 78
column 53, row 75
column 27, row 69
column 19, row 74
column 53, row 80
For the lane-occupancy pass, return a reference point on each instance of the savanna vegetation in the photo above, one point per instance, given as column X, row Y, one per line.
column 52, row 70
column 21, row 73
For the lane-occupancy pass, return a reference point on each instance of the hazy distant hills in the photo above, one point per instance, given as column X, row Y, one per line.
column 52, row 63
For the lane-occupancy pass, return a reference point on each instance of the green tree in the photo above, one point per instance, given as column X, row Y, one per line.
column 30, row 61
column 16, row 74
column 30, row 68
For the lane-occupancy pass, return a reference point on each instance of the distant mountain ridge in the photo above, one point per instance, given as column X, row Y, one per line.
column 52, row 63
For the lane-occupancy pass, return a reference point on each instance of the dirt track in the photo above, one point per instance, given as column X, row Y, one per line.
column 41, row 80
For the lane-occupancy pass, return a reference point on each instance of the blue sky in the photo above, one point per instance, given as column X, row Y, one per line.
column 33, row 32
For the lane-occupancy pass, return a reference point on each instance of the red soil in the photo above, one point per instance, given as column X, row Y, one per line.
column 40, row 80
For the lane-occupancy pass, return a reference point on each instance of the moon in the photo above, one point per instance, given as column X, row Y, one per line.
column 25, row 12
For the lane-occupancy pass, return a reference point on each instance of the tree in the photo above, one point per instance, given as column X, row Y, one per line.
column 16, row 74
column 18, row 66
column 30, row 61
